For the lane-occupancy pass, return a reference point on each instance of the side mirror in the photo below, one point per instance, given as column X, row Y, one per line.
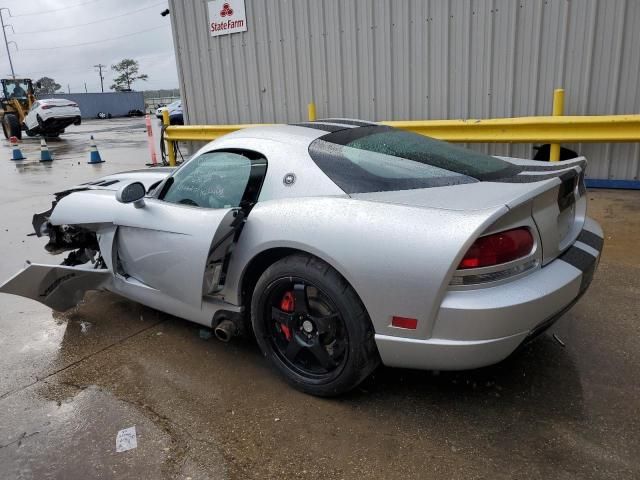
column 133, row 192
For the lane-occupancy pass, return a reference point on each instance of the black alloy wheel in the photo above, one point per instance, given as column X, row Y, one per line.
column 312, row 326
column 307, row 331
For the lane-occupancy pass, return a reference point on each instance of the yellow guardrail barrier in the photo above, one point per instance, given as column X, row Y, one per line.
column 558, row 110
column 565, row 129
column 543, row 129
column 311, row 111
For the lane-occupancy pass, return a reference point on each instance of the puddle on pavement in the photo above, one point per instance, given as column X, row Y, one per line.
column 70, row 432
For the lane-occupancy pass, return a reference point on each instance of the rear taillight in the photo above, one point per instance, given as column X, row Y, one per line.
column 498, row 248
column 46, row 107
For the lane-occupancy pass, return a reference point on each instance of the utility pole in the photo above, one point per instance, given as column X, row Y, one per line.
column 68, row 88
column 6, row 44
column 100, row 67
column 85, row 87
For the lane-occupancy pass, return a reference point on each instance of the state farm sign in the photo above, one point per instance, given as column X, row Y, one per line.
column 227, row 16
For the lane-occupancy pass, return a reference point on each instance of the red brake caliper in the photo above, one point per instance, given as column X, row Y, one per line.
column 287, row 304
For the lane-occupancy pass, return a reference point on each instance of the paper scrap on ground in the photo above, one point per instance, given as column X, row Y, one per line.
column 126, row 439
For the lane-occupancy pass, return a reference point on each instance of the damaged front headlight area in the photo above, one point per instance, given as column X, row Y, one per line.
column 81, row 243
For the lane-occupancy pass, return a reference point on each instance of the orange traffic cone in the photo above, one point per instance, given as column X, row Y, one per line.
column 16, row 154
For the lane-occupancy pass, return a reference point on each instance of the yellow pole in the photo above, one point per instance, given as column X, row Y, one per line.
column 170, row 150
column 558, row 110
column 311, row 109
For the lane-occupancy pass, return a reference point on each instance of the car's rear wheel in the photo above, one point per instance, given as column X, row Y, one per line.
column 312, row 326
column 11, row 126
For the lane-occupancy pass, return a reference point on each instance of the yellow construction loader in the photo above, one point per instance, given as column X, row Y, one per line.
column 17, row 100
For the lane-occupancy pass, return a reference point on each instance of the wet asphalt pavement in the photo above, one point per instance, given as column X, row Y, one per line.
column 203, row 409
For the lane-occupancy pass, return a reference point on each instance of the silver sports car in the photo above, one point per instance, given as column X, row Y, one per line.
column 339, row 244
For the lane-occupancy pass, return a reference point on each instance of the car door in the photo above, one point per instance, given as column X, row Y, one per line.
column 179, row 242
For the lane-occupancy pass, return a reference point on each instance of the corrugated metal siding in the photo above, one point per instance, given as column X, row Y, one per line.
column 416, row 59
column 116, row 103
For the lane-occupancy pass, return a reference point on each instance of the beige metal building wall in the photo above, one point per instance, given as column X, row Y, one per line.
column 416, row 59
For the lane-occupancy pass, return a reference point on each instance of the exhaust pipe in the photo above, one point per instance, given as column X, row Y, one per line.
column 225, row 330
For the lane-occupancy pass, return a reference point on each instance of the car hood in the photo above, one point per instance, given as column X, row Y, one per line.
column 147, row 176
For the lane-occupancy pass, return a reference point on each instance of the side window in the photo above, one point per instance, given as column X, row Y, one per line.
column 213, row 180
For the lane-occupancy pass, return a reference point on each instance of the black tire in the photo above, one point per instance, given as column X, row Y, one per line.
column 332, row 355
column 11, row 126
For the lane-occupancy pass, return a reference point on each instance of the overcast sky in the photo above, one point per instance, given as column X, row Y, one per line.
column 145, row 36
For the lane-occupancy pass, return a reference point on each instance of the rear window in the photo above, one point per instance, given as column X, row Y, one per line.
column 379, row 158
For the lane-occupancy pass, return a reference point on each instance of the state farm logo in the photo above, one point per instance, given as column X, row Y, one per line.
column 226, row 11
column 227, row 16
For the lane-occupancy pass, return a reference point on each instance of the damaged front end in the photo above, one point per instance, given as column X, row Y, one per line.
column 63, row 286
column 81, row 223
column 81, row 242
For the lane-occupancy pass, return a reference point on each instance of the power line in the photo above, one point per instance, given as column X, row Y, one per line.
column 40, row 12
column 141, row 59
column 95, row 42
column 50, row 72
column 94, row 22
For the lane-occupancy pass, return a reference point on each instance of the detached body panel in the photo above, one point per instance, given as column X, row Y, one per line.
column 57, row 287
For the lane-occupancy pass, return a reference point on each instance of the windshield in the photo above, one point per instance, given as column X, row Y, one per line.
column 212, row 180
column 16, row 89
column 379, row 158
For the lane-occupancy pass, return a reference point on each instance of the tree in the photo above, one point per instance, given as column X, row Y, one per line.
column 128, row 73
column 47, row 86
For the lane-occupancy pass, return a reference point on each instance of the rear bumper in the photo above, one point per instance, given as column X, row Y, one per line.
column 475, row 328
column 60, row 123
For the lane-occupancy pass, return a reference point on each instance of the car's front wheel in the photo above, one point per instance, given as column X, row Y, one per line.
column 312, row 326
